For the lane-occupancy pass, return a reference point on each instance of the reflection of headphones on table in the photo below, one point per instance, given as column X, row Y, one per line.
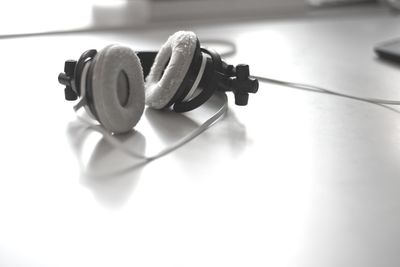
column 181, row 76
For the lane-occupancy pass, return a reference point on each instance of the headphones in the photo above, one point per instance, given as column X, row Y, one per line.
column 115, row 83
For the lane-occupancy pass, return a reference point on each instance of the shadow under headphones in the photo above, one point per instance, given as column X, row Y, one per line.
column 115, row 83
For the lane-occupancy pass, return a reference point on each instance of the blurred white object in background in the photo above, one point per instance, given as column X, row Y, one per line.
column 41, row 16
column 120, row 13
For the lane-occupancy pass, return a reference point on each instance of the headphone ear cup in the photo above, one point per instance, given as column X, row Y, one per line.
column 117, row 88
column 169, row 69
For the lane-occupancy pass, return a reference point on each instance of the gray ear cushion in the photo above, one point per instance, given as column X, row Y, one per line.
column 163, row 82
column 118, row 88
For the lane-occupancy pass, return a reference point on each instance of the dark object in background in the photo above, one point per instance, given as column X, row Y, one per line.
column 389, row 50
column 329, row 3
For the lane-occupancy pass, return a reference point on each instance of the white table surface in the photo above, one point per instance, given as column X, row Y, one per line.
column 294, row 179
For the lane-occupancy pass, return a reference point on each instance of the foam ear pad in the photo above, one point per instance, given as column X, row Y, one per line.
column 117, row 88
column 164, row 80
